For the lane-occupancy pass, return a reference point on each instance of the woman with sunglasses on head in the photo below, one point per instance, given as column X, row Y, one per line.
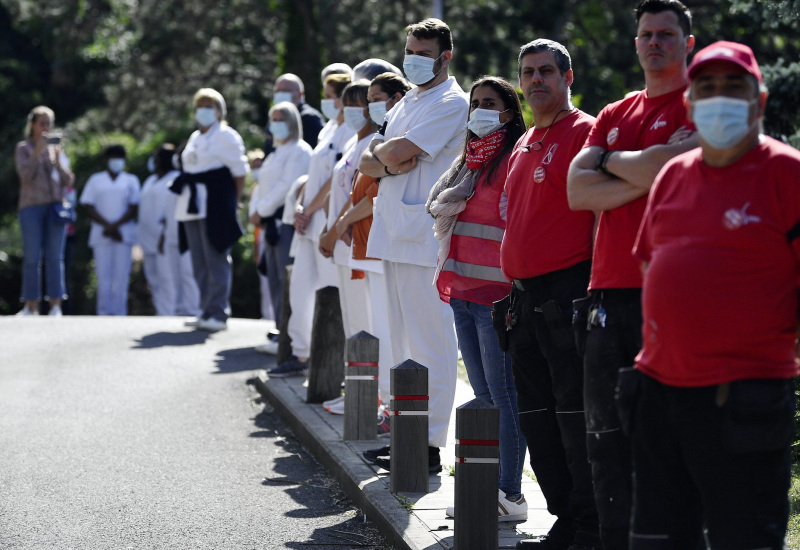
column 468, row 206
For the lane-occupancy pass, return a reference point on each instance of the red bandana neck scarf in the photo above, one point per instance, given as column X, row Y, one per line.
column 482, row 150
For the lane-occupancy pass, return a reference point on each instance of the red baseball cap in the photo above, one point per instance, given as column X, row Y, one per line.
column 733, row 52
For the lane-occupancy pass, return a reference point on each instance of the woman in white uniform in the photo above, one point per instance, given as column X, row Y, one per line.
column 312, row 271
column 281, row 168
column 214, row 168
column 111, row 200
column 168, row 272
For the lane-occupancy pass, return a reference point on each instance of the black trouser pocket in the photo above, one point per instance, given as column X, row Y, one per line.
column 580, row 317
column 558, row 326
column 629, row 387
column 499, row 311
column 757, row 415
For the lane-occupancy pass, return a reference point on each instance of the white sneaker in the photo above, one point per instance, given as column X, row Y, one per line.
column 212, row 325
column 507, row 510
column 193, row 322
column 329, row 404
column 337, row 408
column 55, row 311
column 25, row 312
column 270, row 348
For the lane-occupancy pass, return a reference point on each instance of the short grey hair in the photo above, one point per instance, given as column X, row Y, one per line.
column 370, row 68
column 335, row 68
column 292, row 78
column 563, row 60
column 292, row 118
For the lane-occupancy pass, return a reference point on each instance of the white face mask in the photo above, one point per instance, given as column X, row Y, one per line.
column 151, row 165
column 419, row 69
column 205, row 116
column 722, row 121
column 282, row 96
column 483, row 122
column 329, row 109
column 279, row 129
column 115, row 166
column 377, row 112
column 354, row 117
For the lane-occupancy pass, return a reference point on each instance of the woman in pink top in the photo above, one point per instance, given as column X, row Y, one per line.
column 44, row 174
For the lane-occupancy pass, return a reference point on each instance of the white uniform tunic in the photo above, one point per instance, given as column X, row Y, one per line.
column 420, row 324
column 112, row 198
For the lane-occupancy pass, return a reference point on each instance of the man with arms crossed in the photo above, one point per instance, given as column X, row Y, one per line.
column 546, row 252
column 421, row 137
column 631, row 141
column 715, row 398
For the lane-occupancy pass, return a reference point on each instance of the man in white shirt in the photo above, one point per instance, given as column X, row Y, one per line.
column 420, row 139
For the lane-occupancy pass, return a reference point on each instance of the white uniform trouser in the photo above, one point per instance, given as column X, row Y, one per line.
column 311, row 272
column 355, row 303
column 380, row 329
column 112, row 266
column 423, row 330
column 172, row 282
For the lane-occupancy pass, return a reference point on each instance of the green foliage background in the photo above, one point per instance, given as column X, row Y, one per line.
column 124, row 71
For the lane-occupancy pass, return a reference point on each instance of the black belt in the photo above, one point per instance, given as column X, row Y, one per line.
column 581, row 269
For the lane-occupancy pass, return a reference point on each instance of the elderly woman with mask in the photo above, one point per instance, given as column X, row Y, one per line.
column 44, row 173
column 214, row 168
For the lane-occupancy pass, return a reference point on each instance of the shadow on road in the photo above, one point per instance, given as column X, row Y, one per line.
column 241, row 359
column 316, row 494
column 175, row 339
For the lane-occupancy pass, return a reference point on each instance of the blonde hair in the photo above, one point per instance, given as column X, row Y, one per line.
column 34, row 115
column 338, row 82
column 215, row 97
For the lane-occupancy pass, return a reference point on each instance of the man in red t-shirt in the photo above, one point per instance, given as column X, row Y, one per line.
column 713, row 398
column 546, row 252
column 631, row 141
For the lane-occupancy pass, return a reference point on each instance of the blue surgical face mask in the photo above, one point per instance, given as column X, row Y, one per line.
column 722, row 121
column 328, row 107
column 377, row 112
column 282, row 96
column 419, row 69
column 205, row 116
column 116, row 165
column 279, row 129
column 483, row 122
column 151, row 165
column 354, row 118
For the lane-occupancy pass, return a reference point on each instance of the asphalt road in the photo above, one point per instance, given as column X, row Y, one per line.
column 137, row 433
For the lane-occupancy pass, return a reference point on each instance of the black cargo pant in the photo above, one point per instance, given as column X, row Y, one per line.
column 608, row 349
column 548, row 374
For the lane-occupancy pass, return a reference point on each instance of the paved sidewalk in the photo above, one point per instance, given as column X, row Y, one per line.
column 413, row 521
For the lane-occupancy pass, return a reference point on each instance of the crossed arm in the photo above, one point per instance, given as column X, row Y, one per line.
column 590, row 189
column 395, row 156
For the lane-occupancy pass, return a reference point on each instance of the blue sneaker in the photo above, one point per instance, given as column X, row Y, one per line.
column 291, row 367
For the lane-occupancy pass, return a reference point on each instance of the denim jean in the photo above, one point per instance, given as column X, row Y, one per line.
column 489, row 371
column 42, row 238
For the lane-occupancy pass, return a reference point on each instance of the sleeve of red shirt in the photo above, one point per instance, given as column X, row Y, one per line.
column 598, row 134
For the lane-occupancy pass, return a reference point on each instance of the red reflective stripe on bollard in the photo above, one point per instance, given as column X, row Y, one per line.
column 480, row 442
column 360, row 364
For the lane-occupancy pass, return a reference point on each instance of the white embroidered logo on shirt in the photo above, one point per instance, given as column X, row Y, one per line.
column 538, row 175
column 735, row 218
column 612, row 136
column 548, row 158
column 658, row 123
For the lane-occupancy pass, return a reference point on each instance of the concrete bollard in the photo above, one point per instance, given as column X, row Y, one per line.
column 361, row 387
column 477, row 473
column 284, row 341
column 327, row 348
column 409, row 431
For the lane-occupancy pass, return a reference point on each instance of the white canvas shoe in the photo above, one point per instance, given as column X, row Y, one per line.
column 507, row 510
column 212, row 325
